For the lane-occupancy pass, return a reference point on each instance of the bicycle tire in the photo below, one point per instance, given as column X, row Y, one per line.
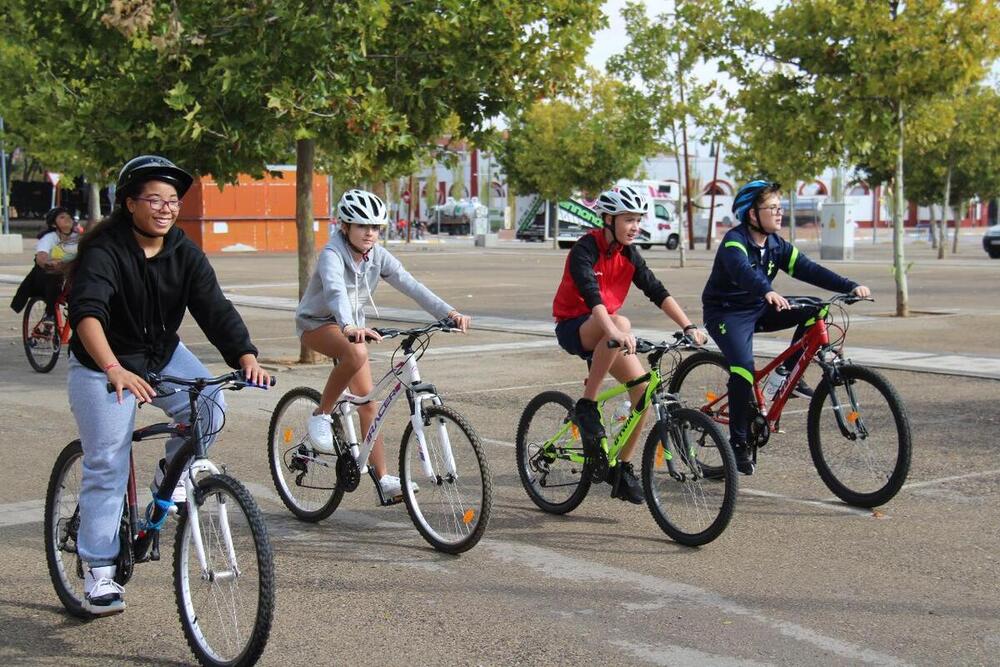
column 463, row 501
column 66, row 573
column 824, row 442
column 709, row 500
column 287, row 432
column 208, row 634
column 42, row 351
column 556, row 408
column 709, row 385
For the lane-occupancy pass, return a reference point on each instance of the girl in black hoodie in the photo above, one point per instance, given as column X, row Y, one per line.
column 134, row 277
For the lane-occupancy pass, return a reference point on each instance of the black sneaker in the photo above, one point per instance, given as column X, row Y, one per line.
column 588, row 419
column 802, row 390
column 624, row 484
column 744, row 463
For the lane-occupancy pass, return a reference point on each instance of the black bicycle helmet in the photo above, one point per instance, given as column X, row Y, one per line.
column 50, row 217
column 144, row 168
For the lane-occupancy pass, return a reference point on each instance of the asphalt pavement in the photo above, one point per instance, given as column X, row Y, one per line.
column 797, row 578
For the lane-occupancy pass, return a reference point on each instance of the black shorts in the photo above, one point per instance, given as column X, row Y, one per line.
column 568, row 335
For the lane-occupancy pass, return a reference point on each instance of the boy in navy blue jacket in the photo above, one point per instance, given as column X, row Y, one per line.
column 739, row 300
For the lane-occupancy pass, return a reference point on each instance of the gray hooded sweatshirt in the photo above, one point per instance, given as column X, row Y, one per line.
column 340, row 288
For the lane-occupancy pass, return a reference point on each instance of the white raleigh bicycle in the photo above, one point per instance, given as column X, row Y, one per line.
column 440, row 452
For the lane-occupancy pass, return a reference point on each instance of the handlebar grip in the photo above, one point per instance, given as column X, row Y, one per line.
column 110, row 387
column 614, row 343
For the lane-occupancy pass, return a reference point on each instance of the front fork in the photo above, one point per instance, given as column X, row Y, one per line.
column 851, row 425
column 417, row 421
column 663, row 427
column 207, row 467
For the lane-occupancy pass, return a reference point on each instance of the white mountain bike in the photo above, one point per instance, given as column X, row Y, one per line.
column 440, row 452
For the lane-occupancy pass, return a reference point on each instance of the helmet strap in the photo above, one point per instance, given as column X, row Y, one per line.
column 356, row 249
column 755, row 227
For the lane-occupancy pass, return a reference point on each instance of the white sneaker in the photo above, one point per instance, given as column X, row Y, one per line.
column 392, row 487
column 320, row 430
column 103, row 596
column 180, row 493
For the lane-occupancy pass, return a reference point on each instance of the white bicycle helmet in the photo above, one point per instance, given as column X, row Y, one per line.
column 362, row 208
column 622, row 199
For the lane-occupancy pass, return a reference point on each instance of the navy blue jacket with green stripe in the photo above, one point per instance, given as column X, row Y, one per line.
column 742, row 274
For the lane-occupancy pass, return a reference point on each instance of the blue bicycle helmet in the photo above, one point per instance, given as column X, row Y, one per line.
column 748, row 194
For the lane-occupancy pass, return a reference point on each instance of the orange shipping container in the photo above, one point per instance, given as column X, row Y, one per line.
column 252, row 215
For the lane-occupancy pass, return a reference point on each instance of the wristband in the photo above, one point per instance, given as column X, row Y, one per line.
column 110, row 366
column 690, row 327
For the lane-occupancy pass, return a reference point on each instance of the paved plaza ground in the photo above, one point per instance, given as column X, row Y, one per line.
column 797, row 578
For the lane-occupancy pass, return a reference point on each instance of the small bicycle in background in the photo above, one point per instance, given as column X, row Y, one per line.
column 689, row 473
column 858, row 429
column 44, row 338
column 440, row 452
column 223, row 568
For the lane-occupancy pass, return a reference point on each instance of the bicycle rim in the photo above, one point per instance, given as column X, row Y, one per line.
column 554, row 483
column 867, row 463
column 42, row 350
column 452, row 508
column 691, row 507
column 225, row 610
column 306, row 480
column 61, row 528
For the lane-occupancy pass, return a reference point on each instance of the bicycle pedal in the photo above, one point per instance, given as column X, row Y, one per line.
column 395, row 500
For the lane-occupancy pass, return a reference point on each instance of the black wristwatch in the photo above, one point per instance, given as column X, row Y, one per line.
column 690, row 327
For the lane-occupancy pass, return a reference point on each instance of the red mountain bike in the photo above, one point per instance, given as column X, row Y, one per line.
column 43, row 339
column 857, row 427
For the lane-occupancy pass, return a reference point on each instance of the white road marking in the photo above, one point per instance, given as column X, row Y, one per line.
column 834, row 505
column 954, row 478
column 26, row 511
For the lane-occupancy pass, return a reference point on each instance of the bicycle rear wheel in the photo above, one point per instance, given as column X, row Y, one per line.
column 865, row 459
column 689, row 505
column 62, row 523
column 226, row 609
column 553, row 481
column 451, row 510
column 305, row 479
column 41, row 340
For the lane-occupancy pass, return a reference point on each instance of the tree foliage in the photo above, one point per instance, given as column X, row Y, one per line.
column 583, row 141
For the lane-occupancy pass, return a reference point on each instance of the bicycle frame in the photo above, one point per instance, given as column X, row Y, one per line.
column 404, row 373
column 814, row 341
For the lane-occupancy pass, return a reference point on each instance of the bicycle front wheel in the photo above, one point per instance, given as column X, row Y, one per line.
column 690, row 482
column 451, row 508
column 226, row 607
column 864, row 456
column 62, row 524
column 305, row 479
column 41, row 340
column 700, row 380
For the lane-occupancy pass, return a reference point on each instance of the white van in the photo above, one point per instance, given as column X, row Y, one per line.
column 660, row 226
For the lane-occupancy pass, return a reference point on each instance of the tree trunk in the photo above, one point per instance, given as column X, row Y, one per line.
column 681, row 249
column 791, row 211
column 94, row 203
column 959, row 214
column 305, row 151
column 943, row 228
column 898, row 261
column 933, row 226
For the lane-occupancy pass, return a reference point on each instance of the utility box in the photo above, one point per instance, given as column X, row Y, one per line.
column 837, row 232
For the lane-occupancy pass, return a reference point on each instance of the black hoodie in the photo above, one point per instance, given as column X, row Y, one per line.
column 140, row 302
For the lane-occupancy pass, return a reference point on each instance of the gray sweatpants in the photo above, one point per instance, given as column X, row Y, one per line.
column 106, row 435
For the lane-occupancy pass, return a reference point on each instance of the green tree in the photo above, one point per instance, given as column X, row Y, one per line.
column 583, row 141
column 658, row 64
column 362, row 89
column 855, row 72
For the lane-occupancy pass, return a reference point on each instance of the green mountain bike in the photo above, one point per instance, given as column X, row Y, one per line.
column 688, row 470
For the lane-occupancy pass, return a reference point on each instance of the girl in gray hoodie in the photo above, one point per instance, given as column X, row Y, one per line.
column 330, row 318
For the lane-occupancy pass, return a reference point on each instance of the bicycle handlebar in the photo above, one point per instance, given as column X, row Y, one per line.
column 447, row 325
column 236, row 378
column 643, row 346
column 797, row 302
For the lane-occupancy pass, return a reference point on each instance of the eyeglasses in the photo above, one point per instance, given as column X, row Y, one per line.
column 775, row 210
column 157, row 204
